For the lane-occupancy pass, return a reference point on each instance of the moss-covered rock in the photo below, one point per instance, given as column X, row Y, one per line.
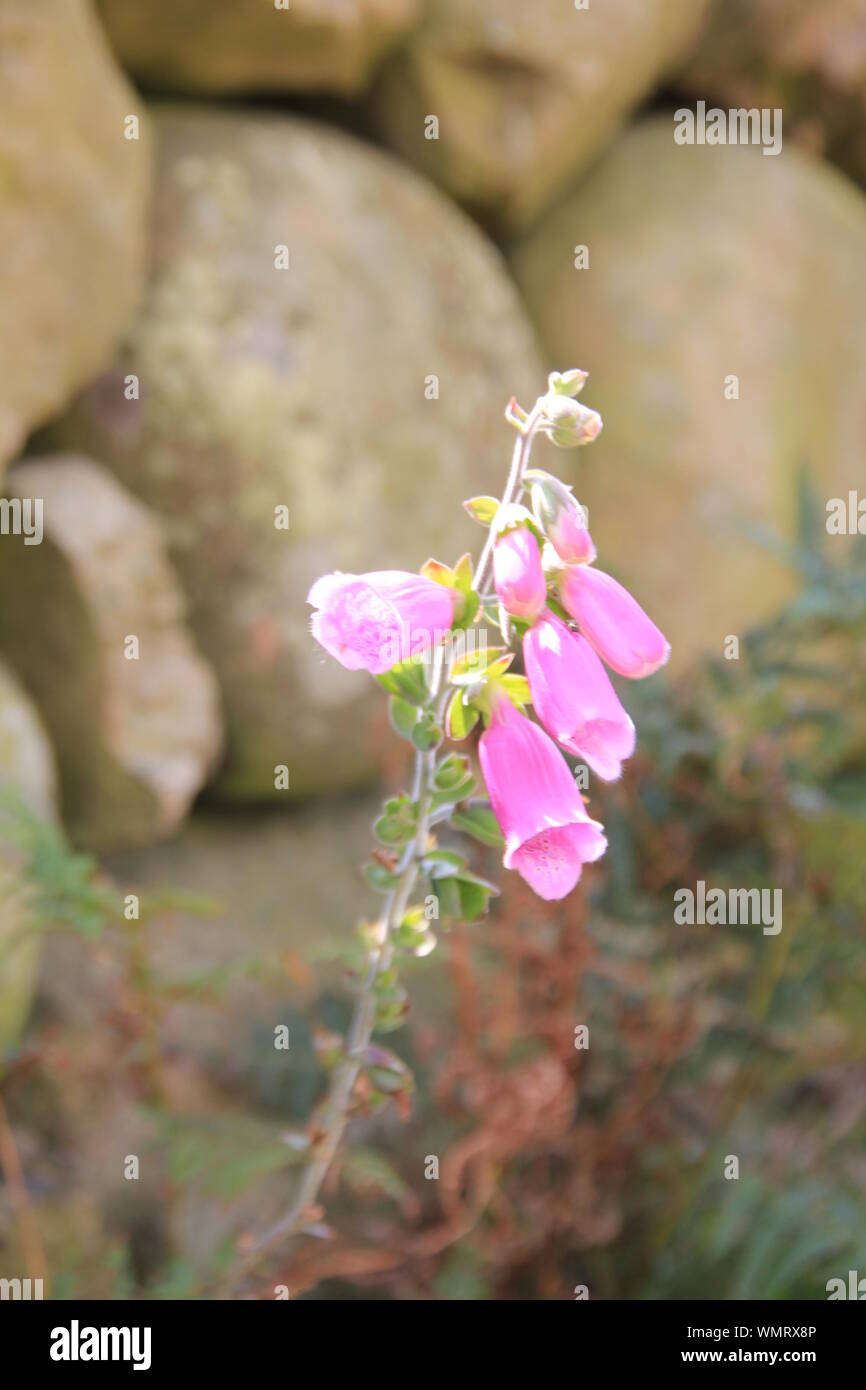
column 525, row 95
column 707, row 263
column 72, row 208
column 362, row 389
column 223, row 46
column 27, row 782
column 136, row 727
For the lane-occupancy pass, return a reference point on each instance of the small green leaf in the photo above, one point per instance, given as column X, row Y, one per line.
column 380, row 878
column 452, row 770
column 456, row 794
column 482, row 509
column 392, row 830
column 478, row 820
column 407, row 680
column 473, row 901
column 426, row 734
column 403, row 716
column 442, row 863
column 448, row 893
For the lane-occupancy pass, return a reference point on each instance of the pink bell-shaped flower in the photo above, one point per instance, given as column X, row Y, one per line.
column 548, row 834
column 517, row 573
column 370, row 622
column 574, row 699
column 613, row 622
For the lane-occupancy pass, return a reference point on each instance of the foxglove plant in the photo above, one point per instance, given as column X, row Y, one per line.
column 413, row 633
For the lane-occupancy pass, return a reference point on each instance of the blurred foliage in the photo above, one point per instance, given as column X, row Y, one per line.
column 65, row 890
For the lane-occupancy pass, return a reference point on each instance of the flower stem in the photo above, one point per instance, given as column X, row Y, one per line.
column 333, row 1117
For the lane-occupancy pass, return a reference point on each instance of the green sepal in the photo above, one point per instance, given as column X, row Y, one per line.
column 517, row 689
column 461, row 717
column 482, row 509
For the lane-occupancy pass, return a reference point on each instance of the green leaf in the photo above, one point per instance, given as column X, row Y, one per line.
column 442, row 863
column 473, row 901
column 391, row 830
column 380, row 878
column 403, row 716
column 366, row 1172
column 426, row 734
column 482, row 509
column 452, row 770
column 456, row 794
column 478, row 820
column 407, row 680
column 448, row 893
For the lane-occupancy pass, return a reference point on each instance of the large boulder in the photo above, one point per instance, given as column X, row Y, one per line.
column 91, row 618
column 707, row 263
column 362, row 388
column 254, row 45
column 526, row 95
column 72, row 208
column 807, row 59
column 27, row 790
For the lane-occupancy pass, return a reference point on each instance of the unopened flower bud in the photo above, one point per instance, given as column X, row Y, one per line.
column 561, row 517
column 517, row 573
column 568, row 423
column 568, row 383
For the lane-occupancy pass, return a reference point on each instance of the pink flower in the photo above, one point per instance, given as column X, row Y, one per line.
column 613, row 622
column 548, row 834
column 570, row 538
column 561, row 517
column 371, row 621
column 517, row 573
column 574, row 699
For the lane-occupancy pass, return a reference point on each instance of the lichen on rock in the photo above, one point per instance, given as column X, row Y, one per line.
column 360, row 388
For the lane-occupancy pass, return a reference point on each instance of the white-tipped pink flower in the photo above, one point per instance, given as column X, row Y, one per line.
column 570, row 538
column 517, row 573
column 613, row 622
column 574, row 699
column 548, row 833
column 370, row 622
column 561, row 517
